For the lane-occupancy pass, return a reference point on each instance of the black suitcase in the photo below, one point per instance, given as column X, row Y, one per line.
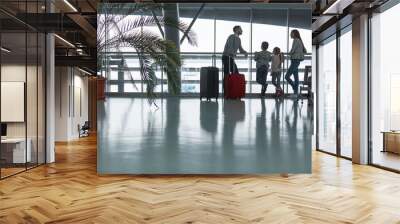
column 209, row 82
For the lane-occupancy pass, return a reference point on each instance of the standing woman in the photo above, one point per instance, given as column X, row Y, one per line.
column 296, row 56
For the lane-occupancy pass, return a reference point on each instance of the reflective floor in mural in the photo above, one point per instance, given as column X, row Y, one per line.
column 189, row 136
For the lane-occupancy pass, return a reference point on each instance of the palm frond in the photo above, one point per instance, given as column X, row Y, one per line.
column 183, row 27
column 148, row 75
column 117, row 29
column 161, row 51
column 126, row 27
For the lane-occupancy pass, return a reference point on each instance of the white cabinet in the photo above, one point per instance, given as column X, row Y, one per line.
column 19, row 155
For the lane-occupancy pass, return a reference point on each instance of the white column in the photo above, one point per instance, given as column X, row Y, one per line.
column 360, row 90
column 50, row 110
column 50, row 94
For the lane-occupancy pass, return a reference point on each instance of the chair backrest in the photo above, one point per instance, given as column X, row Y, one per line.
column 307, row 72
column 86, row 124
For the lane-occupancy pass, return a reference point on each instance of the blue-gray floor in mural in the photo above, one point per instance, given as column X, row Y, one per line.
column 189, row 136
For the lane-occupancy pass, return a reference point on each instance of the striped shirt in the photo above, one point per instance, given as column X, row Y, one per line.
column 262, row 58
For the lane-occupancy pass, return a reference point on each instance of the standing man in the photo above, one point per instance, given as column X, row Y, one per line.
column 232, row 45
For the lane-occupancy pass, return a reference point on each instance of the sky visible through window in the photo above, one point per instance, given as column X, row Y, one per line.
column 277, row 36
column 211, row 37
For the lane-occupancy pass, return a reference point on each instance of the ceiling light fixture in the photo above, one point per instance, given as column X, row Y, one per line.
column 86, row 72
column 334, row 8
column 64, row 40
column 5, row 50
column 70, row 5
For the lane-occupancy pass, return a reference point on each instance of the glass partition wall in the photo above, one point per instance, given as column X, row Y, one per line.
column 22, row 77
column 385, row 90
column 327, row 79
column 334, row 116
column 346, row 95
column 212, row 24
column 334, row 94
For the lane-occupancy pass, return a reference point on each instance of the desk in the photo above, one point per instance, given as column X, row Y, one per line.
column 15, row 148
column 391, row 141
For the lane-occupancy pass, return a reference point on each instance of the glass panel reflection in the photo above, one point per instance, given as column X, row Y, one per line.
column 185, row 135
column 346, row 93
column 385, row 84
column 16, row 149
column 327, row 96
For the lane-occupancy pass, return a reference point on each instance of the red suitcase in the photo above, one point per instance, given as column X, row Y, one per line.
column 235, row 85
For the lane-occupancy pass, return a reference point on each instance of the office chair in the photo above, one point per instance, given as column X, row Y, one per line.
column 84, row 130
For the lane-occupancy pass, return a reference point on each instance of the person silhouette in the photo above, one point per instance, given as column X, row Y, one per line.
column 232, row 45
column 297, row 54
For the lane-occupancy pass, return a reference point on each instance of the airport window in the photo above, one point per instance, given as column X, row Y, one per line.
column 295, row 16
column 266, row 28
column 212, row 26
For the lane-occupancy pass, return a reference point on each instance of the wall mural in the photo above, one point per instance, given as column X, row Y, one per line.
column 205, row 88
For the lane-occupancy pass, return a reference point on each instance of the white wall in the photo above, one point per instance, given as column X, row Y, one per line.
column 71, row 102
column 9, row 73
column 17, row 73
column 34, row 125
column 61, row 103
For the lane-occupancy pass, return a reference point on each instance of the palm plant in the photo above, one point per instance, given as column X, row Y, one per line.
column 117, row 29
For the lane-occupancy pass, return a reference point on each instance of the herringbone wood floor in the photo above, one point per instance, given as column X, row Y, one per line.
column 70, row 191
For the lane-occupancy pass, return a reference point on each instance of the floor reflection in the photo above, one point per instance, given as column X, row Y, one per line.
column 192, row 136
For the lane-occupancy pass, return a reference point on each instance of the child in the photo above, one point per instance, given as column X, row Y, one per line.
column 276, row 65
column 262, row 59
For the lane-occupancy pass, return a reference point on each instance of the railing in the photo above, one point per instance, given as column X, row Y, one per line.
column 124, row 78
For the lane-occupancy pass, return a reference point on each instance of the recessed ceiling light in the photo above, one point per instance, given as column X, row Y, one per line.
column 86, row 72
column 337, row 7
column 5, row 50
column 70, row 5
column 64, row 40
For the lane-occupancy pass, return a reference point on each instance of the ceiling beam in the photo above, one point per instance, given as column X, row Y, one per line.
column 79, row 61
column 86, row 27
